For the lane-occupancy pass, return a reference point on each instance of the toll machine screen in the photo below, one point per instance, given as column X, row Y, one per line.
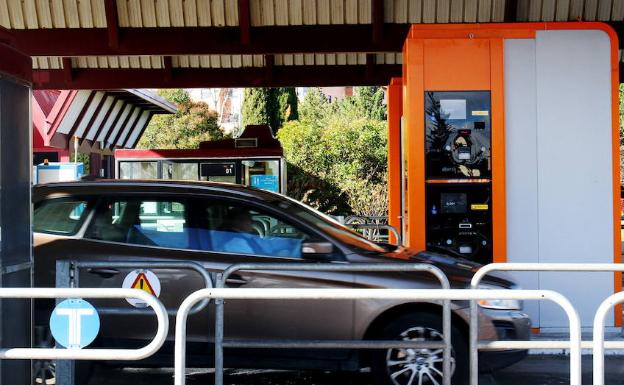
column 218, row 172
column 457, row 135
column 459, row 219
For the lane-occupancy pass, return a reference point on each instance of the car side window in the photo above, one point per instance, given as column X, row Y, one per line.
column 234, row 228
column 150, row 222
column 62, row 216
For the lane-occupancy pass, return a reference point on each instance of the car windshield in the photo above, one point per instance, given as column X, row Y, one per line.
column 328, row 225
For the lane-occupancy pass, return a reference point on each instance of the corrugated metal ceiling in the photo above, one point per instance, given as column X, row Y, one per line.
column 32, row 14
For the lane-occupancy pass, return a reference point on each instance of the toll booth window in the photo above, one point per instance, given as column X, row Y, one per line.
column 181, row 171
column 262, row 174
column 138, row 170
column 233, row 228
column 59, row 216
column 458, row 135
column 161, row 223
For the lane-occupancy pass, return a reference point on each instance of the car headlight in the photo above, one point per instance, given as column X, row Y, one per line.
column 499, row 304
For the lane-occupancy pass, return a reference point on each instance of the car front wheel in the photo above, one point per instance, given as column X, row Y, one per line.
column 419, row 366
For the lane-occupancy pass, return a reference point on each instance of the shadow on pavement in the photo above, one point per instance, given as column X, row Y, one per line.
column 535, row 370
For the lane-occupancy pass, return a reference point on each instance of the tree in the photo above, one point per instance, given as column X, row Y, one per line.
column 288, row 104
column 337, row 157
column 272, row 106
column 370, row 101
column 193, row 123
column 315, row 107
column 255, row 106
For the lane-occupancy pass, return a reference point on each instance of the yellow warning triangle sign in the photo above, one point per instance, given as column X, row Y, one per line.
column 142, row 283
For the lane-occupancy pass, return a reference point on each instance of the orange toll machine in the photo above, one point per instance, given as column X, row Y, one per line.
column 504, row 147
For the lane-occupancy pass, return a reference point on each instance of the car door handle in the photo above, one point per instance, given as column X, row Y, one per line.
column 235, row 280
column 104, row 272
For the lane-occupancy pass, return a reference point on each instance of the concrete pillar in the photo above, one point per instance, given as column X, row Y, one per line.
column 15, row 206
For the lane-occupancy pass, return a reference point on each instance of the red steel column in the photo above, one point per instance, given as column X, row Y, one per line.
column 395, row 112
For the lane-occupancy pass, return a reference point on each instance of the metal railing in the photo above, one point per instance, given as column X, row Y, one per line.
column 369, row 226
column 599, row 342
column 73, row 267
column 88, row 354
column 315, row 267
column 365, row 219
column 379, row 294
column 475, row 346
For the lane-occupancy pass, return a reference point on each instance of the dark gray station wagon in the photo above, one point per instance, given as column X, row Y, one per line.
column 218, row 225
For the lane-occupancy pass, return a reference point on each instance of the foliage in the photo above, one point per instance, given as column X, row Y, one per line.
column 255, row 108
column 272, row 106
column 193, row 123
column 288, row 105
column 341, row 145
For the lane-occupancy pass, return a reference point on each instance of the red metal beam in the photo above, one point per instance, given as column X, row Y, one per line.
column 67, row 69
column 168, row 67
column 214, row 40
column 371, row 61
column 112, row 25
column 244, row 21
column 377, row 17
column 282, row 76
column 269, row 63
column 13, row 62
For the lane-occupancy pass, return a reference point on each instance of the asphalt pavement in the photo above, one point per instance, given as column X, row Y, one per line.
column 535, row 370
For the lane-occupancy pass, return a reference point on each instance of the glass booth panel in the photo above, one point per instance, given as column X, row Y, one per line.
column 262, row 174
column 180, row 171
column 138, row 170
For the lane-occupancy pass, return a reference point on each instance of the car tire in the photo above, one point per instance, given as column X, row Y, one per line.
column 405, row 367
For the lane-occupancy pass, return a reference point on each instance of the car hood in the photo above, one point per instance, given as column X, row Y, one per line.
column 458, row 270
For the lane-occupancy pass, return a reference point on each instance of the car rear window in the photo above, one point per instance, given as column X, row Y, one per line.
column 59, row 216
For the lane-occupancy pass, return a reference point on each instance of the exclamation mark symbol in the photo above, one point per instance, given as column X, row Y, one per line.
column 141, row 283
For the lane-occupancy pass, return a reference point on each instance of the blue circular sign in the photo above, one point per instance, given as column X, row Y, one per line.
column 74, row 323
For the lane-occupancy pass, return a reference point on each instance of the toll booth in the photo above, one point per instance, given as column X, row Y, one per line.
column 253, row 159
column 505, row 148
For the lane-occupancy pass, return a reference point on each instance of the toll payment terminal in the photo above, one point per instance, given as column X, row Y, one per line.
column 458, row 172
column 504, row 147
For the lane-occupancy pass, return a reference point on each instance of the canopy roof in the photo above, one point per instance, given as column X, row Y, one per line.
column 100, row 120
column 231, row 43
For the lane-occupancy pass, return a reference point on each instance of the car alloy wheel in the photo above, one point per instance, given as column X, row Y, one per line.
column 417, row 366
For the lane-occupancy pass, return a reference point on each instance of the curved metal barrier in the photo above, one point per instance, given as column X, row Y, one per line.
column 357, row 226
column 475, row 346
column 599, row 342
column 74, row 266
column 89, row 354
column 354, row 267
column 406, row 294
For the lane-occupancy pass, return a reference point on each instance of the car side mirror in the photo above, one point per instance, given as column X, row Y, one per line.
column 320, row 251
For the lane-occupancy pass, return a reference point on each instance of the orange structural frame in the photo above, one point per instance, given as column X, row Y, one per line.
column 395, row 111
column 430, row 63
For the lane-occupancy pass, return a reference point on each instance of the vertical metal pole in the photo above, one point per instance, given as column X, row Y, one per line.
column 446, row 331
column 65, row 369
column 219, row 333
column 473, row 342
column 15, row 207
